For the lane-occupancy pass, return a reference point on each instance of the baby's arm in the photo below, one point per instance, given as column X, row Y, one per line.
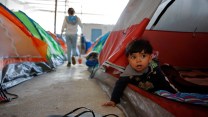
column 117, row 91
column 109, row 103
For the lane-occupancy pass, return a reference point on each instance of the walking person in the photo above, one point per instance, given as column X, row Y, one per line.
column 70, row 27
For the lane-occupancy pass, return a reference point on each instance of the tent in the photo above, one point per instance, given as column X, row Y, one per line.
column 178, row 32
column 24, row 53
column 60, row 41
column 98, row 43
column 93, row 52
column 54, row 52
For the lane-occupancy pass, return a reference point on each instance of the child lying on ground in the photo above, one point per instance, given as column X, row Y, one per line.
column 142, row 72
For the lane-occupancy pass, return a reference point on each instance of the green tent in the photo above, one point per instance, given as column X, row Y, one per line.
column 55, row 53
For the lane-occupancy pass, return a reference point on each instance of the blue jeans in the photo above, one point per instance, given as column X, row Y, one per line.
column 71, row 42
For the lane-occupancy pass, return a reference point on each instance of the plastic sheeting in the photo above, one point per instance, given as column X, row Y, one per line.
column 16, row 73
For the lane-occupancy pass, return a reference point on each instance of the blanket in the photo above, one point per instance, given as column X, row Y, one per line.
column 193, row 98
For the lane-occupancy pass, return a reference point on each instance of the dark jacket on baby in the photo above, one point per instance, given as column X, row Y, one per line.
column 151, row 80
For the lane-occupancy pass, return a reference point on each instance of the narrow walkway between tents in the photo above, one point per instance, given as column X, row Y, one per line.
column 57, row 93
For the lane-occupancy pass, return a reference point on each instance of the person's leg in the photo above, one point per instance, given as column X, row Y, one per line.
column 69, row 45
column 74, row 45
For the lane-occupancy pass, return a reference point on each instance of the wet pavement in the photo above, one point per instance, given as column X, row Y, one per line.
column 57, row 93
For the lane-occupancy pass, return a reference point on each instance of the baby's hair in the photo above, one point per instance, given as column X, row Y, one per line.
column 139, row 45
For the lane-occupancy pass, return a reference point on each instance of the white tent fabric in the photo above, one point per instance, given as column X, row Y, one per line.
column 141, row 8
column 182, row 16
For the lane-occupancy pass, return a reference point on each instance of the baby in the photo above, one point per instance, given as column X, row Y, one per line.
column 142, row 72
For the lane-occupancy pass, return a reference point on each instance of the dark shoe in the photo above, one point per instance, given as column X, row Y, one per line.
column 69, row 64
column 73, row 60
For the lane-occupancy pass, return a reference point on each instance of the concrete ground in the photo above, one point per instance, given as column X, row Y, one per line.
column 57, row 93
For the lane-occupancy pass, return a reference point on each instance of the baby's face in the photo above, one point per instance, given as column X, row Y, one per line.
column 139, row 61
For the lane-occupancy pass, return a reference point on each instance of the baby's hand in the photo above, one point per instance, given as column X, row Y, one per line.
column 109, row 103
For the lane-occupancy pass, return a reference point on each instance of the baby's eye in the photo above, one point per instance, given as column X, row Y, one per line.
column 133, row 57
column 143, row 55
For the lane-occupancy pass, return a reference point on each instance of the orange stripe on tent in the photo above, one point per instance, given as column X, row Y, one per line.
column 41, row 46
column 13, row 19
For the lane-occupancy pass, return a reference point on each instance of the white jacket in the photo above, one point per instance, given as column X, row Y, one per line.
column 69, row 28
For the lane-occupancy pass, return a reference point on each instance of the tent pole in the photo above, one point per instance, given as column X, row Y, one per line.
column 55, row 17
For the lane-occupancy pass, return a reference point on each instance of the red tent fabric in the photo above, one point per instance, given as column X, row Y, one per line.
column 114, row 48
column 181, row 49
